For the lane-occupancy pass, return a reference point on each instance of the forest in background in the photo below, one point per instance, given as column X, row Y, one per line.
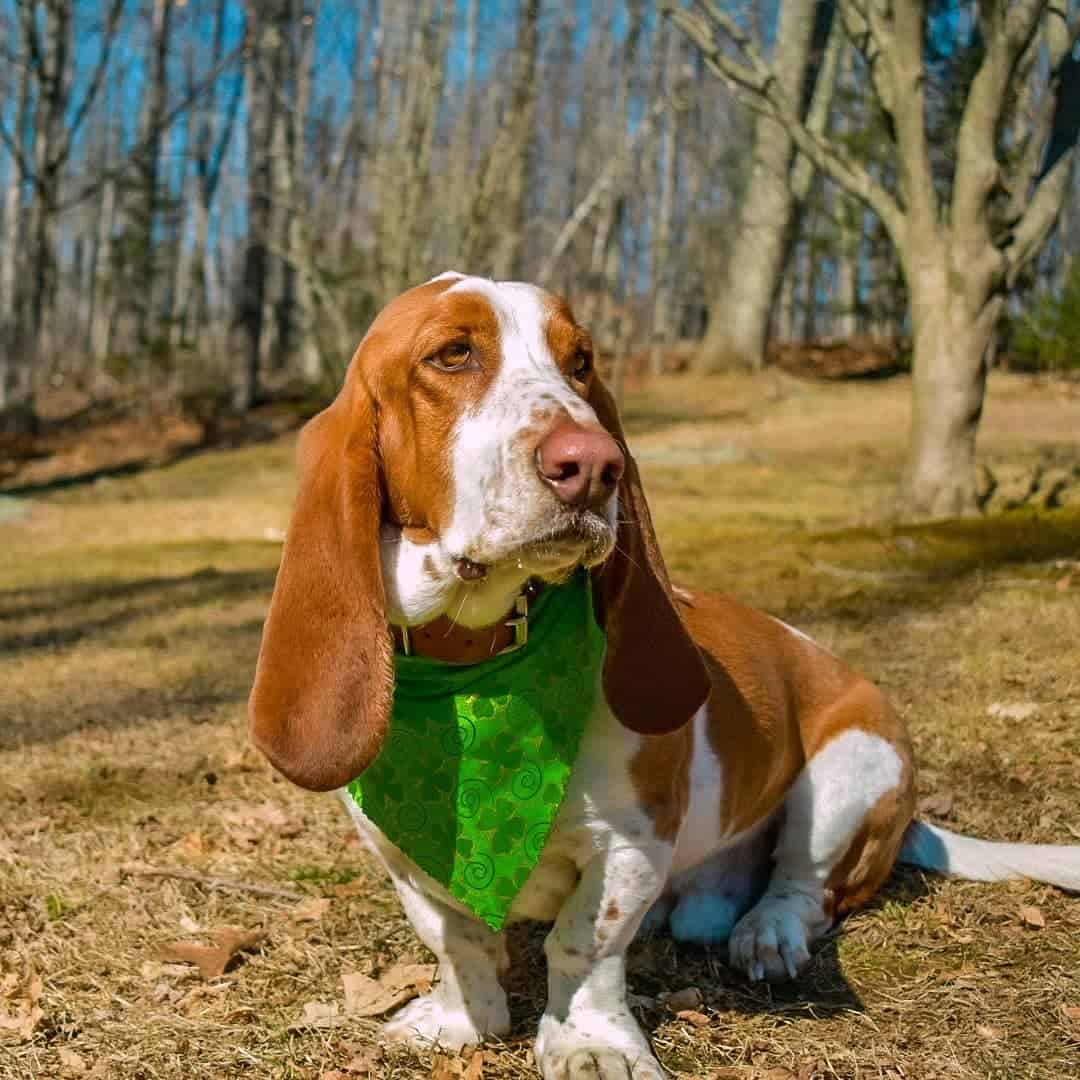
column 214, row 196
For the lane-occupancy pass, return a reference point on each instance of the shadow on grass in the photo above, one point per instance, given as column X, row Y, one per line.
column 923, row 567
column 194, row 665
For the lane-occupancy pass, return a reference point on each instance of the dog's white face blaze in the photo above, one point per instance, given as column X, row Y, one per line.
column 501, row 507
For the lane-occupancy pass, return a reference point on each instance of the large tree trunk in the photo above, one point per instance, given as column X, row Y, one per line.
column 953, row 336
column 739, row 315
column 265, row 25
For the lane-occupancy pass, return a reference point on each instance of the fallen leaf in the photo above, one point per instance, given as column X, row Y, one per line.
column 333, row 1074
column 249, row 825
column 363, row 1064
column 691, row 1016
column 192, row 845
column 991, row 1034
column 71, row 1062
column 445, row 1068
column 24, row 1014
column 475, row 1069
column 243, row 760
column 365, row 996
column 690, row 998
column 1072, row 1012
column 318, row 1014
column 1014, row 710
column 356, row 887
column 310, row 910
column 1033, row 916
column 939, row 804
column 212, row 960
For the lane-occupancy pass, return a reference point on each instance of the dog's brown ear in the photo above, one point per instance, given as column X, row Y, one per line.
column 320, row 705
column 654, row 676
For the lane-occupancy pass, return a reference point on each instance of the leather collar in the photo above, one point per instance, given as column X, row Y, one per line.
column 443, row 639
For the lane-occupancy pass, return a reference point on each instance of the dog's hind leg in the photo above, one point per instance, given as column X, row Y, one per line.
column 843, row 822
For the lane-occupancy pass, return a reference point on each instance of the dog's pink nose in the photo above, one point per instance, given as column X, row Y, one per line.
column 581, row 465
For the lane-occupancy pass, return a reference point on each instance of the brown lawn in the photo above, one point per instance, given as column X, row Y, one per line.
column 130, row 613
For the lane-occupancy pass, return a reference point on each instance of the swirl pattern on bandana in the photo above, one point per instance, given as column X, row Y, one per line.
column 471, row 777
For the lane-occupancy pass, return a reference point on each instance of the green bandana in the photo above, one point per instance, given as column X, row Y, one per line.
column 477, row 759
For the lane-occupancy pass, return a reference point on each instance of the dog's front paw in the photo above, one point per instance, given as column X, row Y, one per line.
column 772, row 940
column 432, row 1021
column 595, row 1046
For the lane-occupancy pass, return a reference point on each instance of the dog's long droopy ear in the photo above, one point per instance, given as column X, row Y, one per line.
column 654, row 676
column 320, row 705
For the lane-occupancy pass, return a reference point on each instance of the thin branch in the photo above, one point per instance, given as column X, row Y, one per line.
column 216, row 883
column 91, row 188
column 109, row 34
column 596, row 192
column 757, row 81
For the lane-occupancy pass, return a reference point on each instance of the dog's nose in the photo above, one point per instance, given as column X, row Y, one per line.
column 581, row 465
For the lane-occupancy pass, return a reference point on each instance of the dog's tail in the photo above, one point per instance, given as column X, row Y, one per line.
column 932, row 848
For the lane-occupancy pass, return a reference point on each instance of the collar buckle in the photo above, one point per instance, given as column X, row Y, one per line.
column 519, row 623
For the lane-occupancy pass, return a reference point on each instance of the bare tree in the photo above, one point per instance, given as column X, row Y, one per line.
column 962, row 249
column 740, row 312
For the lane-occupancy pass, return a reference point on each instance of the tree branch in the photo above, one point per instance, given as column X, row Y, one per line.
column 756, row 80
column 1044, row 206
column 1008, row 36
column 596, row 192
column 94, row 85
column 92, row 187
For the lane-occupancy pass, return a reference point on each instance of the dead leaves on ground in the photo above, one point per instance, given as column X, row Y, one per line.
column 939, row 805
column 212, row 960
column 368, row 997
column 245, row 826
column 365, row 996
column 20, row 1012
column 311, row 910
column 1032, row 916
column 467, row 1066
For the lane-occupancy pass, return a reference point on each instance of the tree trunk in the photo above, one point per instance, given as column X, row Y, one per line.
column 265, row 24
column 103, row 292
column 521, row 123
column 953, row 340
column 739, row 315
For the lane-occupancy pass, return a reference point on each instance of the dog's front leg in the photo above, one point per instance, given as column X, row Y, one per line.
column 468, row 1003
column 587, row 1030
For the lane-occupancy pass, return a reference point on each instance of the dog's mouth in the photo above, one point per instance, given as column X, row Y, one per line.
column 580, row 538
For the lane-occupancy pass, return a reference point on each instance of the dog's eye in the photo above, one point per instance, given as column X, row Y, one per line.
column 582, row 365
column 455, row 357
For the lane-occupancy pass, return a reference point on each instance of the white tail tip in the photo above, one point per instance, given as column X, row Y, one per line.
column 937, row 849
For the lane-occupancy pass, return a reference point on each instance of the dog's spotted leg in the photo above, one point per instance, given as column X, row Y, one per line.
column 468, row 1003
column 587, row 1030
column 842, row 813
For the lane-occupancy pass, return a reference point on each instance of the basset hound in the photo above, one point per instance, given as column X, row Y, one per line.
column 731, row 779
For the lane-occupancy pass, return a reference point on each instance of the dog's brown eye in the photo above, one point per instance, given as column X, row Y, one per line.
column 455, row 357
column 582, row 365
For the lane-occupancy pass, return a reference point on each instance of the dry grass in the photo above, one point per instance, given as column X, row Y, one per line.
column 129, row 622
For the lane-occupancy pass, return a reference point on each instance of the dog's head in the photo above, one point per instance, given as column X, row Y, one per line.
column 471, row 447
